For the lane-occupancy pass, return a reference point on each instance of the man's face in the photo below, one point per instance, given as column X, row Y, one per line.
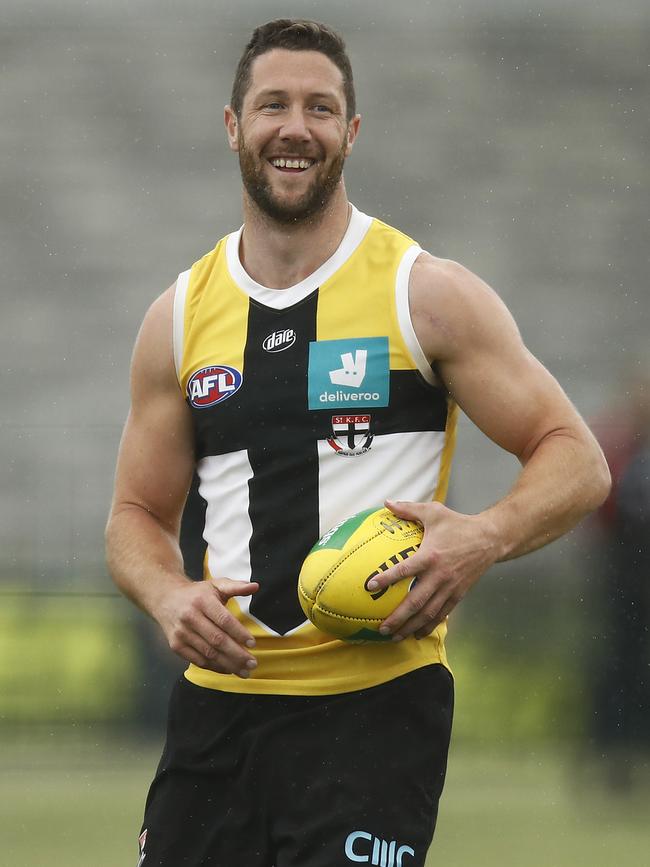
column 292, row 136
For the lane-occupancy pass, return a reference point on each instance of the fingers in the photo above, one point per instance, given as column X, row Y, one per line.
column 435, row 594
column 414, row 565
column 207, row 634
column 211, row 648
column 425, row 558
column 456, row 550
column 221, row 616
column 215, row 661
column 228, row 588
column 419, row 614
column 217, row 648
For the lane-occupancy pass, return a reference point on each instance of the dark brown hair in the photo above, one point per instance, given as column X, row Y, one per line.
column 294, row 34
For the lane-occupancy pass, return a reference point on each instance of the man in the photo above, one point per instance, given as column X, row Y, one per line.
column 320, row 356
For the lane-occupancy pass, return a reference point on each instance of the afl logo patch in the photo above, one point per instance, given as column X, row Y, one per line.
column 211, row 385
column 279, row 340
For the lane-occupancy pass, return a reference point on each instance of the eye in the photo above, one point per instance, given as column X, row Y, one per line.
column 322, row 109
column 273, row 106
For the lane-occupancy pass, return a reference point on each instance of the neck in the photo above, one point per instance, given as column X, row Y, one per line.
column 278, row 256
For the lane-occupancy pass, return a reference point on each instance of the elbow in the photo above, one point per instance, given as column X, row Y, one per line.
column 109, row 547
column 601, row 481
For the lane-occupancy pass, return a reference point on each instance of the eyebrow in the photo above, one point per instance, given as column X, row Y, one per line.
column 328, row 95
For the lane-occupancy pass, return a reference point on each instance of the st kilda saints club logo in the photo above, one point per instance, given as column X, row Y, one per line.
column 212, row 385
column 351, row 434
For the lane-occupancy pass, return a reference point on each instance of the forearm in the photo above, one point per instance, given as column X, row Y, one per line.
column 146, row 563
column 565, row 478
column 144, row 557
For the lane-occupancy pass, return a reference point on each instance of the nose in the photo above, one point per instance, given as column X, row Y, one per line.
column 294, row 126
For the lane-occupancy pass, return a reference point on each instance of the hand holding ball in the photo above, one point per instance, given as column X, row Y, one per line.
column 333, row 582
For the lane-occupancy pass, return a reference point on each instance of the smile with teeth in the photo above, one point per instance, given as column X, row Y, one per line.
column 288, row 163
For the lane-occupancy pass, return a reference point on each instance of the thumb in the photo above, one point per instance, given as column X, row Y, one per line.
column 404, row 509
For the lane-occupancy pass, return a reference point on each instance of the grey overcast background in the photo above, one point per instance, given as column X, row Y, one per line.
column 509, row 135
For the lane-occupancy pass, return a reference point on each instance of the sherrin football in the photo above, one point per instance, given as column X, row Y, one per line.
column 333, row 581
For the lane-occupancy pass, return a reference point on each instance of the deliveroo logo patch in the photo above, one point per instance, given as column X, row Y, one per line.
column 349, row 373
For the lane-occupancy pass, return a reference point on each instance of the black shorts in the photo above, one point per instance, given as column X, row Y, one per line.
column 306, row 781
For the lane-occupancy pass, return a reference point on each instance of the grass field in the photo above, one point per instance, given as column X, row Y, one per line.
column 77, row 802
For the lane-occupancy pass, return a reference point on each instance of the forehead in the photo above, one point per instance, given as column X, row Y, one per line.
column 295, row 71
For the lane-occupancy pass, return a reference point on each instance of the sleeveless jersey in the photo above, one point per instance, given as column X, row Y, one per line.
column 309, row 404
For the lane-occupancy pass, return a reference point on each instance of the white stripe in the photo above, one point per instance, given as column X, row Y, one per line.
column 404, row 313
column 224, row 486
column 399, row 466
column 178, row 327
column 280, row 299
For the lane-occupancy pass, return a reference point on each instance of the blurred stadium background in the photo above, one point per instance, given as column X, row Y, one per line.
column 509, row 135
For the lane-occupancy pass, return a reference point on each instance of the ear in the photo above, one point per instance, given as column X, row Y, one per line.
column 232, row 128
column 353, row 132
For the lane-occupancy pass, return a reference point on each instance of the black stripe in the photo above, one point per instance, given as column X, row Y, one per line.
column 284, row 503
column 247, row 421
column 193, row 545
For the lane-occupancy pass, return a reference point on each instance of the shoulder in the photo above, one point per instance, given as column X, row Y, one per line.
column 153, row 356
column 451, row 307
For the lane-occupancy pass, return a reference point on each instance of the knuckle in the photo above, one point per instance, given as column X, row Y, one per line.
column 445, row 577
column 186, row 616
column 196, row 599
column 432, row 557
column 415, row 603
column 175, row 640
column 210, row 652
column 405, row 569
column 430, row 617
column 400, row 569
column 222, row 618
column 217, row 640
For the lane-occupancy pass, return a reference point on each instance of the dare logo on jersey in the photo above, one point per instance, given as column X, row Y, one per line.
column 211, row 385
column 279, row 340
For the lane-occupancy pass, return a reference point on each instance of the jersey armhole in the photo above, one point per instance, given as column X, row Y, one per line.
column 404, row 314
column 178, row 328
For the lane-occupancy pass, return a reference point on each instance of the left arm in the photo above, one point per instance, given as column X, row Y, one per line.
column 514, row 400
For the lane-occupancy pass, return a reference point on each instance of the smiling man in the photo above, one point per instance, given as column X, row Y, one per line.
column 293, row 178
column 309, row 367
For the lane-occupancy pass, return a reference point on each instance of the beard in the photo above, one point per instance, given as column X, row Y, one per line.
column 313, row 201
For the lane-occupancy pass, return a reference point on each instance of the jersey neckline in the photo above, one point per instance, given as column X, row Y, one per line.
column 280, row 299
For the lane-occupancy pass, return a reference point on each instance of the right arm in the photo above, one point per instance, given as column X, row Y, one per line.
column 154, row 470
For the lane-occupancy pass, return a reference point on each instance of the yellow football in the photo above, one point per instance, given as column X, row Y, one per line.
column 333, row 581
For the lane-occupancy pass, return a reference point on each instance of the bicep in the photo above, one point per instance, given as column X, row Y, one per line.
column 156, row 457
column 480, row 356
column 510, row 395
